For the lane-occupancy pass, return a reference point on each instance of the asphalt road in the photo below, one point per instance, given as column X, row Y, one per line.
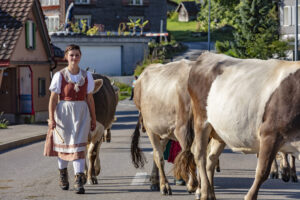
column 26, row 174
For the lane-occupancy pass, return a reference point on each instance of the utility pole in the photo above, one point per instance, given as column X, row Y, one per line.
column 296, row 31
column 208, row 36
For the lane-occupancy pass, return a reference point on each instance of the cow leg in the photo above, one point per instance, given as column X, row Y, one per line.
column 202, row 132
column 285, row 167
column 293, row 169
column 107, row 136
column 97, row 166
column 216, row 148
column 158, row 150
column 218, row 169
column 274, row 170
column 90, row 157
column 154, row 178
column 269, row 145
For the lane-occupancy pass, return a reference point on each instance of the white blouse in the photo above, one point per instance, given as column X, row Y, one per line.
column 55, row 85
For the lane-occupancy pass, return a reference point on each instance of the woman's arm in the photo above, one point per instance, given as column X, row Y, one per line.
column 52, row 106
column 91, row 104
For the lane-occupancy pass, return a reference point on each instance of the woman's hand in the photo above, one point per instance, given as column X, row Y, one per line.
column 51, row 124
column 93, row 124
column 91, row 105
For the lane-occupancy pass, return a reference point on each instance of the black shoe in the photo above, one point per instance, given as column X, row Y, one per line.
column 80, row 180
column 64, row 182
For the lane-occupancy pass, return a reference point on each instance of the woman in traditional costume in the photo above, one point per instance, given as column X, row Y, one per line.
column 71, row 117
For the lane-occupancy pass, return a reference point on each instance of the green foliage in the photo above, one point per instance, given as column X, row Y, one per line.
column 146, row 62
column 84, row 29
column 223, row 12
column 3, row 122
column 257, row 34
column 125, row 90
column 92, row 31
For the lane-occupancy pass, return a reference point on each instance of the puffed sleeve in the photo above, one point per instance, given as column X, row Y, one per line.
column 55, row 85
column 91, row 83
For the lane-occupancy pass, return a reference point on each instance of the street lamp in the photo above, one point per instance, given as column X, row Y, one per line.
column 208, row 36
column 296, row 31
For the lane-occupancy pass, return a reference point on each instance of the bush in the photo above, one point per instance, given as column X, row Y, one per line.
column 125, row 90
column 3, row 122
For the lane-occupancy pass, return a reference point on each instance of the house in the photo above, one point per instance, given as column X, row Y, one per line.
column 287, row 19
column 55, row 13
column 187, row 11
column 25, row 61
column 171, row 5
column 107, row 55
column 107, row 13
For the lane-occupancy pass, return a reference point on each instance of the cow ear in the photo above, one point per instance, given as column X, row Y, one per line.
column 98, row 85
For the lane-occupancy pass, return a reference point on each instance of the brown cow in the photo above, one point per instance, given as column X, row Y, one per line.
column 161, row 96
column 251, row 105
column 106, row 100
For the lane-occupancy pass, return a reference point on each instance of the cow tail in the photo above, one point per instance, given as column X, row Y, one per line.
column 184, row 164
column 137, row 156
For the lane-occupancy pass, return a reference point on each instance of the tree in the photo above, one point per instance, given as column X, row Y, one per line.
column 257, row 31
column 223, row 12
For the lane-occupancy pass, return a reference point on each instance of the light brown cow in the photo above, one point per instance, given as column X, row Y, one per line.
column 161, row 96
column 106, row 100
column 251, row 105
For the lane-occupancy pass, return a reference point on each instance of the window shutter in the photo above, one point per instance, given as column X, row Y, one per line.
column 27, row 34
column 289, row 15
column 125, row 2
column 33, row 35
column 30, row 28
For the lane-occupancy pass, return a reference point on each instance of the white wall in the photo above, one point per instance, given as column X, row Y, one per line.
column 104, row 59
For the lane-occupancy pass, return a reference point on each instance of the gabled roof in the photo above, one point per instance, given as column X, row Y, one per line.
column 13, row 14
column 190, row 6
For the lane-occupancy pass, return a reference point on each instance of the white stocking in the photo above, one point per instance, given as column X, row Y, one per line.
column 79, row 166
column 62, row 163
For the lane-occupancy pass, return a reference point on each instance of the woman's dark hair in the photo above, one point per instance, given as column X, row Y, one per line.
column 72, row 47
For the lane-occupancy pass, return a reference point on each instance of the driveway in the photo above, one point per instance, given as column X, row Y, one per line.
column 194, row 50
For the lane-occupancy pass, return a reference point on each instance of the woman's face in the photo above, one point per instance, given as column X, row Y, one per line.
column 73, row 57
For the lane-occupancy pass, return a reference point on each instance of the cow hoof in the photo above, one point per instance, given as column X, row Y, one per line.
column 285, row 178
column 218, row 169
column 167, row 191
column 294, row 179
column 92, row 181
column 154, row 187
column 274, row 175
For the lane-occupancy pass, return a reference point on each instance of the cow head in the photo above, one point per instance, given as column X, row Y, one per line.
column 98, row 85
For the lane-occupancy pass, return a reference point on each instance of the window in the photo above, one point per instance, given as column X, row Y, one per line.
column 289, row 13
column 78, row 19
column 49, row 2
column 136, row 2
column 52, row 23
column 42, row 87
column 30, row 28
column 82, row 1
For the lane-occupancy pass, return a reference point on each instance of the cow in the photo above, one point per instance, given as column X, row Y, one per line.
column 106, row 100
column 161, row 96
column 251, row 105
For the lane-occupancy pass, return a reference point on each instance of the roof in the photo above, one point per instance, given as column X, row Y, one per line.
column 58, row 52
column 13, row 14
column 190, row 6
column 173, row 3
